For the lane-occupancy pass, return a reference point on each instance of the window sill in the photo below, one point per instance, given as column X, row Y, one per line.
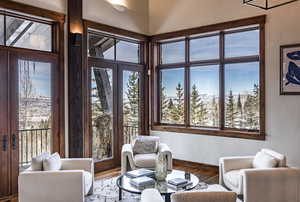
column 211, row 132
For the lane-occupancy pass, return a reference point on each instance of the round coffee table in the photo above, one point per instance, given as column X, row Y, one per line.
column 123, row 182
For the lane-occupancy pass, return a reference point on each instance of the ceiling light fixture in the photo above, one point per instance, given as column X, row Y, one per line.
column 119, row 5
column 267, row 4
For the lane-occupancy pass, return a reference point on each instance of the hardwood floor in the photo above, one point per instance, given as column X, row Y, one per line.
column 208, row 173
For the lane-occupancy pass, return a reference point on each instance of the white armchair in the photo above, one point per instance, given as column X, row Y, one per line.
column 71, row 183
column 131, row 160
column 260, row 184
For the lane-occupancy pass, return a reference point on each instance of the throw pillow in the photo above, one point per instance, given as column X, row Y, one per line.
column 263, row 160
column 37, row 161
column 52, row 163
column 145, row 145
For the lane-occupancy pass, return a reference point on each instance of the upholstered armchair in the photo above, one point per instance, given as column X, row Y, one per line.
column 152, row 195
column 71, row 183
column 261, row 178
column 142, row 153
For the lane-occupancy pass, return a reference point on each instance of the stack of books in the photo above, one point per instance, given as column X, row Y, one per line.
column 142, row 182
column 140, row 173
column 178, row 183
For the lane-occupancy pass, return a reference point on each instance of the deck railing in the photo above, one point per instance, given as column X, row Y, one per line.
column 33, row 142
column 130, row 133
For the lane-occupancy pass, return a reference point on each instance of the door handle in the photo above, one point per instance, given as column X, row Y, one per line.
column 4, row 143
column 14, row 142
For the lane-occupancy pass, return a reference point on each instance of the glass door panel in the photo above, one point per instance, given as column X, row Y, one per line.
column 101, row 99
column 131, row 99
column 35, row 107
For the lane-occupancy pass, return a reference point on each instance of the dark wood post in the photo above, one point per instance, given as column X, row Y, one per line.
column 75, row 79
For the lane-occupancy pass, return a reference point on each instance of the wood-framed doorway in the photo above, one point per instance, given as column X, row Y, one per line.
column 120, row 71
column 13, row 156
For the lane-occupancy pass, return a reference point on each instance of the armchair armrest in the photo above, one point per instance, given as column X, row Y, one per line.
column 236, row 163
column 127, row 158
column 164, row 148
column 51, row 186
column 151, row 195
column 86, row 164
column 272, row 184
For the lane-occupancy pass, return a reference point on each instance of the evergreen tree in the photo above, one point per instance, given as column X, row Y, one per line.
column 251, row 109
column 256, row 105
column 215, row 112
column 164, row 104
column 195, row 105
column 240, row 116
column 132, row 108
column 231, row 114
column 177, row 112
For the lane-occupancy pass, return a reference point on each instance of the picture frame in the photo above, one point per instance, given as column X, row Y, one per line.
column 290, row 69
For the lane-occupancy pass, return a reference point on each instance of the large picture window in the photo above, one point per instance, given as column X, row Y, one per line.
column 211, row 83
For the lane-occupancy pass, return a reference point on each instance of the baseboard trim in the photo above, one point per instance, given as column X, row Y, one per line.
column 178, row 162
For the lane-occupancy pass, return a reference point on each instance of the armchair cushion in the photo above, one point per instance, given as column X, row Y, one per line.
column 145, row 160
column 37, row 162
column 263, row 160
column 52, row 163
column 88, row 181
column 145, row 145
column 233, row 179
column 279, row 157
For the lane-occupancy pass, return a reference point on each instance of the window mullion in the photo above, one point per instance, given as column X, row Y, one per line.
column 222, row 82
column 187, row 83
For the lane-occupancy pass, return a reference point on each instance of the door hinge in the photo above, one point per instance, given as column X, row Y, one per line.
column 4, row 143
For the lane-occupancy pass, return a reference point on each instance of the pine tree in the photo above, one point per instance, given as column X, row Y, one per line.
column 240, row 116
column 251, row 109
column 231, row 114
column 256, row 106
column 195, row 100
column 164, row 104
column 177, row 112
column 215, row 112
column 132, row 108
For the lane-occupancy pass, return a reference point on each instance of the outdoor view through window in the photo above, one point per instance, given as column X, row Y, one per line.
column 200, row 69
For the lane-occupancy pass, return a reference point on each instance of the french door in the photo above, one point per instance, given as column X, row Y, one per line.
column 29, row 105
column 115, row 106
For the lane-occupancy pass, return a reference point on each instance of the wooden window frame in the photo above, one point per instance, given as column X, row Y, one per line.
column 217, row 30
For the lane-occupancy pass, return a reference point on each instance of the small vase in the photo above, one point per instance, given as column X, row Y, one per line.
column 161, row 169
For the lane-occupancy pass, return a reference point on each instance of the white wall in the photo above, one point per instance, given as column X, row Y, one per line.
column 135, row 18
column 54, row 5
column 282, row 112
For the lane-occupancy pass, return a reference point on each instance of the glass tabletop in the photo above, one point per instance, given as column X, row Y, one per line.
column 123, row 182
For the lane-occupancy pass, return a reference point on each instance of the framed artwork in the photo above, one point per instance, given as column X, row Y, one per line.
column 290, row 69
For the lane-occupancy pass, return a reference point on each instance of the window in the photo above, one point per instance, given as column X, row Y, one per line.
column 172, row 96
column 128, row 52
column 211, row 83
column 204, row 48
column 204, row 96
column 22, row 33
column 173, row 52
column 109, row 47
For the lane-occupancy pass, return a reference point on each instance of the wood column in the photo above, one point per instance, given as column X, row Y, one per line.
column 75, row 79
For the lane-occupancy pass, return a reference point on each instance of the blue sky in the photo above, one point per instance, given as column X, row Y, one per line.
column 41, row 77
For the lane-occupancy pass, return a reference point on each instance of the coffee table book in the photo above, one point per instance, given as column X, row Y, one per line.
column 140, row 172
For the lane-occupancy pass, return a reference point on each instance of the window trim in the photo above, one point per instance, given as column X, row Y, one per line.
column 220, row 29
